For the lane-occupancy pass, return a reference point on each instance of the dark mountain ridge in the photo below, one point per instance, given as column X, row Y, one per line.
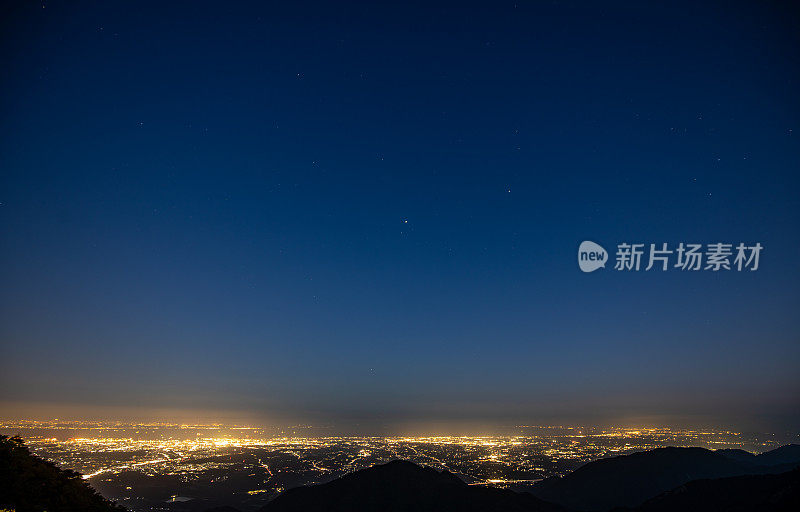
column 404, row 486
column 629, row 480
column 749, row 493
column 788, row 454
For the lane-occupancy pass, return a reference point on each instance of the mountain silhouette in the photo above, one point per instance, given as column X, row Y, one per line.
column 752, row 493
column 789, row 454
column 629, row 480
column 404, row 486
column 31, row 484
column 736, row 454
column 643, row 479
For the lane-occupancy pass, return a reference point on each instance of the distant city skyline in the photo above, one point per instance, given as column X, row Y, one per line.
column 368, row 217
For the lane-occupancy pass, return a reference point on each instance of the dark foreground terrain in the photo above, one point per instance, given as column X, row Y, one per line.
column 30, row 484
column 402, row 486
column 630, row 480
column 660, row 480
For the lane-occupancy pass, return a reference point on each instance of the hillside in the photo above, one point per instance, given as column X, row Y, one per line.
column 404, row 486
column 629, row 480
column 752, row 493
column 30, row 484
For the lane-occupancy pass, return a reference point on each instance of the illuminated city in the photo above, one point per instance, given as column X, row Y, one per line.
column 155, row 466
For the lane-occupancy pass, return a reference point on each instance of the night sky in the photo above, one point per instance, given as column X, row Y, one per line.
column 367, row 216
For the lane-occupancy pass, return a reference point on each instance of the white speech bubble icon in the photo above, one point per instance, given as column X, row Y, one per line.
column 591, row 256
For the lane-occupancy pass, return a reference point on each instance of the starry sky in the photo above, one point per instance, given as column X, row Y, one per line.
column 366, row 216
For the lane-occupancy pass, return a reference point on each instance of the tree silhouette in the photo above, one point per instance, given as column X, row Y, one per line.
column 31, row 484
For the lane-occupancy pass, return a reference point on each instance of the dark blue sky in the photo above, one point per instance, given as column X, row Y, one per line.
column 367, row 216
